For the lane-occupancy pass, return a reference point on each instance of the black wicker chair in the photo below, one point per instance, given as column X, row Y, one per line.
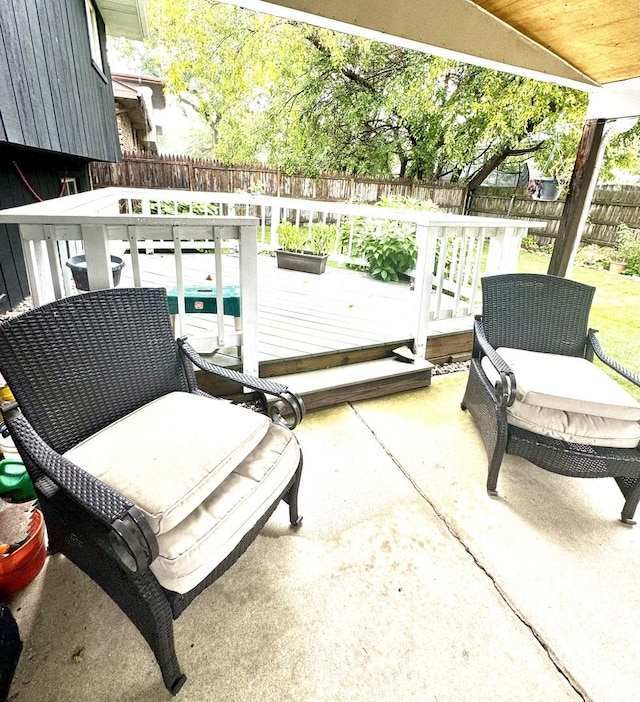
column 80, row 365
column 549, row 315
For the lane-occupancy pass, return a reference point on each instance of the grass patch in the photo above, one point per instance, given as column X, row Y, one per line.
column 615, row 312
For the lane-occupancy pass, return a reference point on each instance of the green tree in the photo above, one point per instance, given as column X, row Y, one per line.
column 309, row 99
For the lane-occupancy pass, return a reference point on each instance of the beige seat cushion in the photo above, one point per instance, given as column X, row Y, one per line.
column 569, row 399
column 566, row 383
column 574, row 427
column 171, row 454
column 190, row 551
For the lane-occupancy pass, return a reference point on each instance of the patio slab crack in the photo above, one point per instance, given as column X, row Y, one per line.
column 566, row 674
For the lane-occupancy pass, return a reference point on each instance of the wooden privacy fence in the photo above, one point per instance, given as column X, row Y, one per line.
column 181, row 172
column 611, row 205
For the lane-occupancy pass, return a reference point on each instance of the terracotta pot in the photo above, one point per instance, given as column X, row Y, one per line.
column 19, row 568
column 617, row 266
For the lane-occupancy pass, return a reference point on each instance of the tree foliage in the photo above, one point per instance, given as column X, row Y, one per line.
column 309, row 99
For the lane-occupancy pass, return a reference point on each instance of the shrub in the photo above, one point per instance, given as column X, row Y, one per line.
column 388, row 246
column 594, row 256
column 390, row 252
column 170, row 207
column 628, row 247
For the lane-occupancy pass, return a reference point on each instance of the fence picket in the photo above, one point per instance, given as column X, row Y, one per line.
column 611, row 205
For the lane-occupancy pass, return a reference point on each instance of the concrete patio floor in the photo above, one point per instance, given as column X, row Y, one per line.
column 405, row 582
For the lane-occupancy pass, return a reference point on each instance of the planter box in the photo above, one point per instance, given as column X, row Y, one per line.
column 306, row 262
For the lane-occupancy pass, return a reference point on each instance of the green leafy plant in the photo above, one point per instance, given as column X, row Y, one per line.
column 628, row 248
column 530, row 243
column 391, row 251
column 594, row 256
column 315, row 239
column 389, row 246
column 169, row 207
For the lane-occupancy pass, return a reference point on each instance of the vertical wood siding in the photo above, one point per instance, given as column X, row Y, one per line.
column 51, row 95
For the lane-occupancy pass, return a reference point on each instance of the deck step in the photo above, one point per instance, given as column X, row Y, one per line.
column 357, row 381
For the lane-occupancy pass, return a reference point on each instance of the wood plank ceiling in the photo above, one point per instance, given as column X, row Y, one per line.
column 600, row 38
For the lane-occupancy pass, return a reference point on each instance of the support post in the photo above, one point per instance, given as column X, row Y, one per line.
column 581, row 187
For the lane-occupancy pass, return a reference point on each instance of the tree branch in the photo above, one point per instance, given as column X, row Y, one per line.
column 483, row 172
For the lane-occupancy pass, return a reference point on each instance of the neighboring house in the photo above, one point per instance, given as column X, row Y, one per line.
column 138, row 98
column 56, row 107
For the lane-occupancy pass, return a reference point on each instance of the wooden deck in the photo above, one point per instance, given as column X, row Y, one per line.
column 341, row 313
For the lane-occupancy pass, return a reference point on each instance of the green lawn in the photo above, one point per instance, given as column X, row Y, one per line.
column 615, row 311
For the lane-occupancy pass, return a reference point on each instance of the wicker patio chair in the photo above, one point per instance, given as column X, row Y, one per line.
column 150, row 486
column 533, row 390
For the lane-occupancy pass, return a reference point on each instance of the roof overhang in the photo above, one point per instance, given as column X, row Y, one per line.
column 456, row 29
column 583, row 44
column 133, row 104
column 125, row 18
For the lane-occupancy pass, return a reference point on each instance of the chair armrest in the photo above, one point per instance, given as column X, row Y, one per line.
column 594, row 346
column 505, row 387
column 260, row 385
column 131, row 536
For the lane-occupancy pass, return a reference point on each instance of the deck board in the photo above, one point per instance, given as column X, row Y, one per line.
column 298, row 313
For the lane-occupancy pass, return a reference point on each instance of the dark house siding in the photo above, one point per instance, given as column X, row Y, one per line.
column 52, row 96
column 57, row 114
column 44, row 176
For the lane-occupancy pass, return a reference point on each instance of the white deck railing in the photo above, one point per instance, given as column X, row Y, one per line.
column 454, row 251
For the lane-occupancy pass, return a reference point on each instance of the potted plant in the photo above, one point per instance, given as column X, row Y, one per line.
column 304, row 248
column 627, row 251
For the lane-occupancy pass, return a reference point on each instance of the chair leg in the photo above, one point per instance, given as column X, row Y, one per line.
column 489, row 419
column 291, row 498
column 140, row 597
column 495, row 463
column 630, row 488
column 156, row 625
column 144, row 601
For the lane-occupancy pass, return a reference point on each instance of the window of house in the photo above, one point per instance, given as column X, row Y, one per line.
column 69, row 186
column 94, row 34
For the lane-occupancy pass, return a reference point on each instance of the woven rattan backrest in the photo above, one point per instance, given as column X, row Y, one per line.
column 80, row 363
column 536, row 312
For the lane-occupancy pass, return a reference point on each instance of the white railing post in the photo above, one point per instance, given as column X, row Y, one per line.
column 36, row 260
column 249, row 299
column 426, row 239
column 96, row 250
column 494, row 255
column 53, row 254
column 135, row 255
column 512, row 242
column 217, row 252
column 504, row 248
column 177, row 251
column 275, row 222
